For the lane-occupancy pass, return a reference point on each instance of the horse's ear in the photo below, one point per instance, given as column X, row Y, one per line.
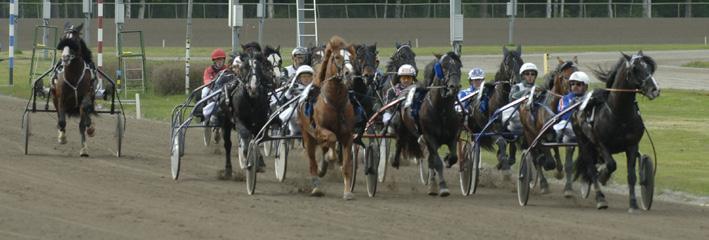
column 78, row 28
column 640, row 53
column 397, row 45
column 353, row 51
column 437, row 55
column 409, row 43
column 576, row 59
column 519, row 49
column 278, row 49
column 626, row 56
column 505, row 51
column 67, row 25
column 560, row 60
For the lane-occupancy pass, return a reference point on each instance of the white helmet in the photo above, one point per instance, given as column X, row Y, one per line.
column 299, row 51
column 528, row 67
column 476, row 73
column 580, row 76
column 406, row 70
column 303, row 69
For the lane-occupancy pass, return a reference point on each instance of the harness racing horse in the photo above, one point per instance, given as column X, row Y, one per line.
column 534, row 113
column 498, row 94
column 438, row 121
column 361, row 84
column 611, row 123
column 274, row 57
column 244, row 105
column 73, row 88
column 332, row 120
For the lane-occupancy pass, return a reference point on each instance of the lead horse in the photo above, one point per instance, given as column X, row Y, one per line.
column 332, row 120
column 610, row 123
column 73, row 88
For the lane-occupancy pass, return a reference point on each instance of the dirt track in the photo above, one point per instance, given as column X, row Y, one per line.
column 54, row 194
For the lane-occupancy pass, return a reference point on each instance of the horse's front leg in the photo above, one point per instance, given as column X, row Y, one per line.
column 61, row 125
column 83, row 123
column 227, row 173
column 436, row 164
column 347, row 167
column 608, row 167
column 632, row 154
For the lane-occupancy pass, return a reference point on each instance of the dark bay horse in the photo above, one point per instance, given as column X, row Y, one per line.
column 535, row 113
column 438, row 121
column 332, row 120
column 73, row 88
column 361, row 83
column 498, row 94
column 244, row 105
column 611, row 123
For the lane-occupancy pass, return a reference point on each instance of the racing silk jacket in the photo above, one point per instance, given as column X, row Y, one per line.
column 466, row 92
column 566, row 101
column 210, row 73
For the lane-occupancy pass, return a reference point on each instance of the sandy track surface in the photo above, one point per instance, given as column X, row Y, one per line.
column 54, row 194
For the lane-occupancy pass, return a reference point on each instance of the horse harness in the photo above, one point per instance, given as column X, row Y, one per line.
column 60, row 69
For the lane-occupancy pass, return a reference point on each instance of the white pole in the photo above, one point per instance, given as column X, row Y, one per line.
column 187, row 47
column 138, row 112
column 705, row 40
column 99, row 39
column 11, row 43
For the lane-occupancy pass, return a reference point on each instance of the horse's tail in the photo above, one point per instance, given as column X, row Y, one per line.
column 585, row 164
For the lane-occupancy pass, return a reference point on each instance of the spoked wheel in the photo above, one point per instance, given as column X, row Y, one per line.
column 271, row 146
column 585, row 189
column 26, row 131
column 465, row 170
column 207, row 136
column 647, row 181
column 383, row 159
column 176, row 153
column 523, row 178
column 475, row 176
column 357, row 156
column 281, row 163
column 252, row 157
column 371, row 171
column 120, row 130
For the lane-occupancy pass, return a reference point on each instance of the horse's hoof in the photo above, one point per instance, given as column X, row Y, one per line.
column 316, row 193
column 322, row 168
column 225, row 174
column 433, row 189
column 62, row 140
column 84, row 155
column 559, row 175
column 633, row 210
column 602, row 205
column 444, row 192
column 506, row 175
column 348, row 196
column 90, row 131
column 568, row 193
column 544, row 190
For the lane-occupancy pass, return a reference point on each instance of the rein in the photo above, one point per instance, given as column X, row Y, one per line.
column 76, row 87
column 622, row 90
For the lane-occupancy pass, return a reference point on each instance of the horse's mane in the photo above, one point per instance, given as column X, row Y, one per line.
column 253, row 45
column 400, row 54
column 453, row 56
column 86, row 54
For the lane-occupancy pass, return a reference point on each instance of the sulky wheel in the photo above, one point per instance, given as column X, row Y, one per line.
column 383, row 159
column 465, row 171
column 475, row 176
column 120, row 132
column 281, row 161
column 523, row 178
column 585, row 189
column 26, row 131
column 175, row 153
column 371, row 171
column 647, row 181
column 207, row 135
column 358, row 153
column 253, row 156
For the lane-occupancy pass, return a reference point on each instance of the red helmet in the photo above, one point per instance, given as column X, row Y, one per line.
column 218, row 53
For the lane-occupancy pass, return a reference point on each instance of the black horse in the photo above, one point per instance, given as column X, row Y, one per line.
column 497, row 95
column 437, row 124
column 362, row 89
column 244, row 104
column 611, row 123
column 73, row 85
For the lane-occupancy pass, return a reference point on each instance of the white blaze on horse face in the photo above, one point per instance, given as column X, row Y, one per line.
column 275, row 60
column 66, row 55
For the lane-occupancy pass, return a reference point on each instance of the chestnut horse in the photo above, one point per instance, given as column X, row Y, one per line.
column 332, row 120
column 73, row 86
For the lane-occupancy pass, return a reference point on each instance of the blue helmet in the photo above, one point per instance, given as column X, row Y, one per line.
column 476, row 73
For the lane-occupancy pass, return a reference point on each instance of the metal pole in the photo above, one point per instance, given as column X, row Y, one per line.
column 11, row 42
column 234, row 27
column 300, row 4
column 46, row 14
column 99, row 44
column 187, row 47
column 86, row 9
column 120, row 10
column 456, row 40
column 512, row 11
column 260, row 14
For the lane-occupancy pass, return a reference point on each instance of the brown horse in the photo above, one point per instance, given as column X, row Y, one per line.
column 535, row 114
column 73, row 86
column 332, row 121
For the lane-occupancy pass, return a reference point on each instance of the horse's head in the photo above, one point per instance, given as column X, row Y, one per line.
column 511, row 63
column 450, row 65
column 334, row 65
column 562, row 73
column 367, row 62
column 254, row 73
column 640, row 70
column 317, row 53
column 251, row 47
column 403, row 55
column 274, row 57
column 71, row 44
